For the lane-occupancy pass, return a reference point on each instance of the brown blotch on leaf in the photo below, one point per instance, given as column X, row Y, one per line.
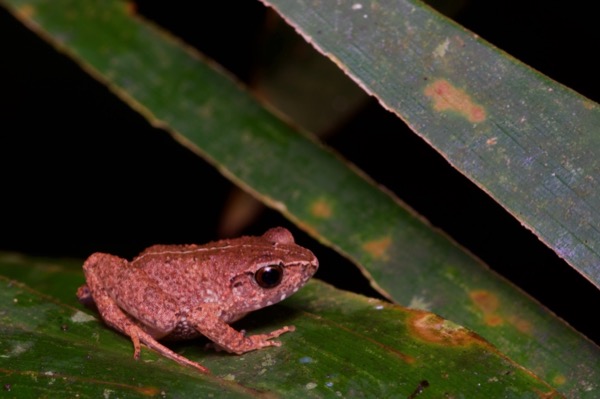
column 488, row 303
column 321, row 209
column 206, row 111
column 130, row 8
column 587, row 104
column 493, row 320
column 548, row 395
column 485, row 300
column 26, row 11
column 432, row 328
column 492, row 141
column 522, row 325
column 559, row 380
column 148, row 391
column 378, row 248
column 446, row 97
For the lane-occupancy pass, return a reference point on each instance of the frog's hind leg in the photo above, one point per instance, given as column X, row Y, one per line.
column 114, row 316
column 131, row 290
column 122, row 322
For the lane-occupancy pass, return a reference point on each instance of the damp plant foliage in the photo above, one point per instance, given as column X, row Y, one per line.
column 51, row 346
column 502, row 125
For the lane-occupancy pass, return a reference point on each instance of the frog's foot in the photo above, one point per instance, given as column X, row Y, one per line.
column 263, row 340
column 246, row 343
column 205, row 320
column 119, row 320
column 84, row 295
column 282, row 330
column 138, row 335
column 254, row 342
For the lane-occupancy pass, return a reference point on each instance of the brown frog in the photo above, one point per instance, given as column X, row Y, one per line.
column 184, row 291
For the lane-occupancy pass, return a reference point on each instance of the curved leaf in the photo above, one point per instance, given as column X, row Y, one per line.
column 48, row 346
column 529, row 142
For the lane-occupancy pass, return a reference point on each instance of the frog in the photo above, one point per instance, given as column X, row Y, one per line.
column 177, row 292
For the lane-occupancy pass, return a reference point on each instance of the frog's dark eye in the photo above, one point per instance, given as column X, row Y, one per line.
column 269, row 276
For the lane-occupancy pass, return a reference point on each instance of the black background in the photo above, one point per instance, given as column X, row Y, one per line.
column 81, row 172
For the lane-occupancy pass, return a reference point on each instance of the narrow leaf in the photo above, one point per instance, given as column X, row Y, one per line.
column 529, row 142
column 344, row 345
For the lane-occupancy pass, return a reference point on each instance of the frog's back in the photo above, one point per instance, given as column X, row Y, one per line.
column 191, row 274
column 161, row 248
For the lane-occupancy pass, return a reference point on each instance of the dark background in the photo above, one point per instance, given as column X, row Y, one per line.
column 81, row 172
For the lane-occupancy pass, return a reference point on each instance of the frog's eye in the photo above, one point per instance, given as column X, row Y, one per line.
column 269, row 276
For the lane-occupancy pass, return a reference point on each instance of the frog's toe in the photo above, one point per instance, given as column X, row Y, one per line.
column 84, row 295
column 283, row 330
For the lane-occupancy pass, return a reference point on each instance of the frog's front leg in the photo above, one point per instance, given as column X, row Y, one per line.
column 109, row 283
column 206, row 320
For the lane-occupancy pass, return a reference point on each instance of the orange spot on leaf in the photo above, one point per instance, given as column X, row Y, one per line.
column 493, row 320
column 149, row 391
column 321, row 209
column 559, row 379
column 522, row 325
column 588, row 104
column 485, row 300
column 26, row 11
column 488, row 303
column 130, row 8
column 446, row 97
column 548, row 395
column 378, row 248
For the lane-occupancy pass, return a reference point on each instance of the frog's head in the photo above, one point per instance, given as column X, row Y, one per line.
column 277, row 269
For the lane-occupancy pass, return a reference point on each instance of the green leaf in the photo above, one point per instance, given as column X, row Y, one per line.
column 50, row 347
column 529, row 142
column 414, row 264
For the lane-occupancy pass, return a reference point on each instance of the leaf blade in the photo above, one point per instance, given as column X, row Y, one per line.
column 529, row 142
column 50, row 346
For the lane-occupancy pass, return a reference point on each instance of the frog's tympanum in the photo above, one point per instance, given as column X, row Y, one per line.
column 184, row 291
